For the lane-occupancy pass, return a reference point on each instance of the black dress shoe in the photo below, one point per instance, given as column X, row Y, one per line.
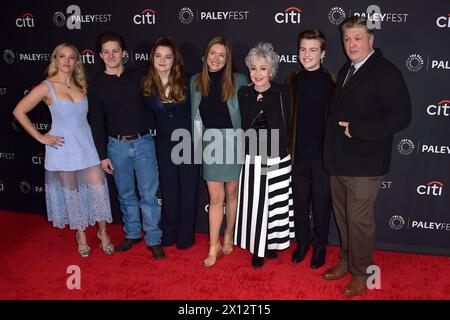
column 318, row 257
column 126, row 244
column 157, row 251
column 257, row 262
column 271, row 254
column 299, row 253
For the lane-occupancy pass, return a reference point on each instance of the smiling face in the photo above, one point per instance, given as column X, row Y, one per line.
column 112, row 54
column 309, row 54
column 66, row 60
column 260, row 74
column 163, row 59
column 357, row 44
column 216, row 58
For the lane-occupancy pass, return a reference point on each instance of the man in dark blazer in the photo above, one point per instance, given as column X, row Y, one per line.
column 370, row 103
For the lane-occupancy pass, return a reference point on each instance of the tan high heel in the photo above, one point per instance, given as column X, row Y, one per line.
column 228, row 243
column 108, row 248
column 84, row 250
column 215, row 252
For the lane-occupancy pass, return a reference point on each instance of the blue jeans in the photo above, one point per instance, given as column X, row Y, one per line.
column 130, row 159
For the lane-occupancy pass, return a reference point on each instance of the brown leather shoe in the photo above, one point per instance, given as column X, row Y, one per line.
column 335, row 272
column 355, row 287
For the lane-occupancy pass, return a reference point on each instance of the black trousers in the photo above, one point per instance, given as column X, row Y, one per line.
column 179, row 188
column 311, row 187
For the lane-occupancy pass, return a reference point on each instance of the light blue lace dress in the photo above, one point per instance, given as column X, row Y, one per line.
column 75, row 185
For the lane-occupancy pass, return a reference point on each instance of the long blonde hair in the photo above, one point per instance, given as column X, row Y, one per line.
column 203, row 80
column 78, row 76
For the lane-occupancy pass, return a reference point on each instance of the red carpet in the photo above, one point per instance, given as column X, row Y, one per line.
column 34, row 258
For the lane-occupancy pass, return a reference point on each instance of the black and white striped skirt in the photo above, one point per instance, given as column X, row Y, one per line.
column 265, row 215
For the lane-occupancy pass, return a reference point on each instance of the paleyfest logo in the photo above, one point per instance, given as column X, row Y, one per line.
column 186, row 15
column 414, row 62
column 336, row 15
column 75, row 18
column 405, row 147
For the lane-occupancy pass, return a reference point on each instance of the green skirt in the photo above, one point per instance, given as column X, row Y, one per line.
column 222, row 155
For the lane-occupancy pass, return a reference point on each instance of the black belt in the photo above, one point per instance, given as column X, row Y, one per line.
column 132, row 136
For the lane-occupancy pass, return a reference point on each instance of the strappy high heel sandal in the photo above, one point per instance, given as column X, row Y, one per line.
column 215, row 252
column 228, row 243
column 108, row 248
column 85, row 249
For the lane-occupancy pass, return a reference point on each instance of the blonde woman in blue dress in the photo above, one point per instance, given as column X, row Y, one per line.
column 75, row 186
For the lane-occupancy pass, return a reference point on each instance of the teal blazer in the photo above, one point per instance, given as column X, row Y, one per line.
column 233, row 106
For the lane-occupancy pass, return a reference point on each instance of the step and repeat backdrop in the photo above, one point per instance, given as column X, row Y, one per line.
column 413, row 208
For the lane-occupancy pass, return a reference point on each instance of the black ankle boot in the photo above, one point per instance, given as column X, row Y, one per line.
column 257, row 262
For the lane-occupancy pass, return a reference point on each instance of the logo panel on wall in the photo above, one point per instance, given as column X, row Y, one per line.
column 38, row 159
column 146, row 17
column 336, row 15
column 10, row 57
column 88, row 56
column 26, row 188
column 443, row 21
column 439, row 109
column 73, row 18
column 375, row 15
column 188, row 15
column 432, row 188
column 405, row 147
column 25, row 21
column 291, row 15
column 7, row 155
column 397, row 222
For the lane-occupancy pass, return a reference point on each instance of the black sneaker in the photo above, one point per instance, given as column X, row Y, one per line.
column 157, row 251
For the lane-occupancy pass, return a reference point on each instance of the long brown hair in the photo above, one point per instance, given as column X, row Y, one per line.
column 202, row 82
column 177, row 78
column 78, row 75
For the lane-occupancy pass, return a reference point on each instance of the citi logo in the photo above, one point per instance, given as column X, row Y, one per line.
column 432, row 188
column 25, row 21
column 443, row 22
column 290, row 15
column 38, row 159
column 147, row 16
column 440, row 109
column 414, row 62
column 88, row 56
